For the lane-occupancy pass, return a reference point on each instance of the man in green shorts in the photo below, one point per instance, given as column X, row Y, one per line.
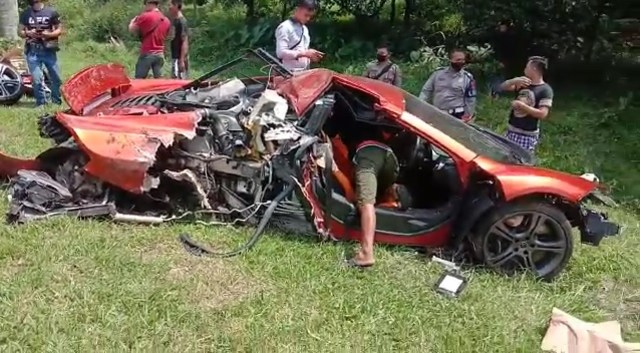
column 376, row 170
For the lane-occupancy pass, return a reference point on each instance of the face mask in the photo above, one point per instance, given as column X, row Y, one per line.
column 457, row 66
column 382, row 57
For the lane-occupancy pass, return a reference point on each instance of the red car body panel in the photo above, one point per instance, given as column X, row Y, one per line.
column 518, row 181
column 9, row 166
column 122, row 148
column 92, row 82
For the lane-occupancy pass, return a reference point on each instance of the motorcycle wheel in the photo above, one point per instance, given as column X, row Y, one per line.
column 11, row 87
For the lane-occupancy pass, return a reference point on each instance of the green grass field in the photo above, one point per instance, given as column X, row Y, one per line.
column 68, row 285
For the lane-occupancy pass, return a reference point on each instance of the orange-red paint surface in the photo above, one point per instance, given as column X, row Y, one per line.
column 122, row 148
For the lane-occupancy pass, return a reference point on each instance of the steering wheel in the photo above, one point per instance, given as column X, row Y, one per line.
column 419, row 152
column 440, row 159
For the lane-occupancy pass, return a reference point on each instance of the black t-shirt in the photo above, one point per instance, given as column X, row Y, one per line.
column 44, row 19
column 180, row 33
column 534, row 96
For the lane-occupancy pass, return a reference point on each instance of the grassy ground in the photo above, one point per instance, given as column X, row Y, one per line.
column 67, row 285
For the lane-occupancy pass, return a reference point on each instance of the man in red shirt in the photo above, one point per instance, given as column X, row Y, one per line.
column 152, row 27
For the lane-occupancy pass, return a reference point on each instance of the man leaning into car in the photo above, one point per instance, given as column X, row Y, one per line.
column 376, row 170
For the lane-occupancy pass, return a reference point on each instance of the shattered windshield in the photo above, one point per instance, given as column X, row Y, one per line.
column 472, row 138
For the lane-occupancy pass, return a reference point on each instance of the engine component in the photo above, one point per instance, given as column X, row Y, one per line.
column 191, row 178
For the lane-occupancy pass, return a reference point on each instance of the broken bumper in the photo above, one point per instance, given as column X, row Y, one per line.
column 595, row 226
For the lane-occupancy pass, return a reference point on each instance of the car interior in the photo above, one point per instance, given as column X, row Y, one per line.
column 427, row 172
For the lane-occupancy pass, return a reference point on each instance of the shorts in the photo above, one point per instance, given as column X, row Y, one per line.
column 528, row 142
column 375, row 172
column 175, row 70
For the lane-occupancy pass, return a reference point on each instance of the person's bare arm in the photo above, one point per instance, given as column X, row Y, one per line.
column 55, row 33
column 22, row 31
column 134, row 26
column 184, row 51
column 514, row 84
column 538, row 113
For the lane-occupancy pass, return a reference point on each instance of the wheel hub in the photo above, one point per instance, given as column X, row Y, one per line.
column 533, row 243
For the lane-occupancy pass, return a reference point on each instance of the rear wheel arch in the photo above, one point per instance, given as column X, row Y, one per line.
column 571, row 210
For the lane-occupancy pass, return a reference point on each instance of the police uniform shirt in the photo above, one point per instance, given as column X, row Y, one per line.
column 292, row 38
column 451, row 90
column 392, row 76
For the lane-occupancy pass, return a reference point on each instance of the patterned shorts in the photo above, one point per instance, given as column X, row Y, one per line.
column 528, row 142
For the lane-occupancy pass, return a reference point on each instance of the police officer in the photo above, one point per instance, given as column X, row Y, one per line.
column 40, row 26
column 452, row 88
column 293, row 39
column 383, row 68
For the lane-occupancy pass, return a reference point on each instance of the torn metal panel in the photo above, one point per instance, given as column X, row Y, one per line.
column 122, row 148
column 91, row 82
column 9, row 166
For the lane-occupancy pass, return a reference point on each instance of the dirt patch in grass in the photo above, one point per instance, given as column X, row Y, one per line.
column 622, row 301
column 13, row 268
column 212, row 284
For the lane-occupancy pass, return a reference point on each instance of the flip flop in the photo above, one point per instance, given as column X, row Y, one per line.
column 352, row 263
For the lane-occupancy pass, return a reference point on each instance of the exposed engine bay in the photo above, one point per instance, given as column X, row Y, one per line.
column 223, row 174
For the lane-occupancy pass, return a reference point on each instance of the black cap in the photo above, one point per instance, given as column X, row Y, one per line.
column 308, row 4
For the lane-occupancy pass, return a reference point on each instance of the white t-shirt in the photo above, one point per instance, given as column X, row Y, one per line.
column 292, row 38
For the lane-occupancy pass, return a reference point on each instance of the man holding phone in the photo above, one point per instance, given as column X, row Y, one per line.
column 293, row 39
column 40, row 26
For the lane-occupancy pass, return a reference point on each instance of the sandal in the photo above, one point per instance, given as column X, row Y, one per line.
column 352, row 263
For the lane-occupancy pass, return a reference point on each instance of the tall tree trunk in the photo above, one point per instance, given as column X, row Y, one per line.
column 9, row 19
column 593, row 30
column 251, row 9
column 392, row 15
column 408, row 9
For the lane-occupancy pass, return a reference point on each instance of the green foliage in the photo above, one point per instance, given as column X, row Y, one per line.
column 577, row 36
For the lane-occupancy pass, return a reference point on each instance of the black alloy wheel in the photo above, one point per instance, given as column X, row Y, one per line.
column 11, row 88
column 531, row 236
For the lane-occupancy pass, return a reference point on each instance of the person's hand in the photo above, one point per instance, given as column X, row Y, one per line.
column 521, row 81
column 467, row 118
column 313, row 55
column 47, row 34
column 32, row 33
column 516, row 104
column 181, row 65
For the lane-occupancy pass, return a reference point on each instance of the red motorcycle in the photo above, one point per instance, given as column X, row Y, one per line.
column 15, row 78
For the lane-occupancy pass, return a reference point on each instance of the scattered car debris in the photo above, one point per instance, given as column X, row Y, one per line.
column 451, row 283
column 569, row 334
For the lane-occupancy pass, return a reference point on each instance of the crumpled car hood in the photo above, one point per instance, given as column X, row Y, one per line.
column 122, row 148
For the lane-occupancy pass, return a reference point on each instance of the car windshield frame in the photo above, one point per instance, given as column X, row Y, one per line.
column 473, row 138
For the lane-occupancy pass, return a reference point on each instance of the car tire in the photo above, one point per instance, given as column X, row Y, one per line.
column 11, row 87
column 535, row 235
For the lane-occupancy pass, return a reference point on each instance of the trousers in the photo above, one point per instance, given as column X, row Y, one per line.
column 37, row 58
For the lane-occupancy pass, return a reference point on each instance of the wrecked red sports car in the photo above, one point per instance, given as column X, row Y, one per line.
column 275, row 150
